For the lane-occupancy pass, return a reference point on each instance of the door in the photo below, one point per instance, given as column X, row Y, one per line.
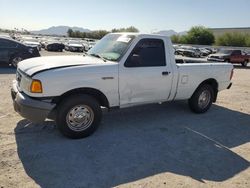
column 236, row 57
column 3, row 52
column 145, row 76
column 7, row 48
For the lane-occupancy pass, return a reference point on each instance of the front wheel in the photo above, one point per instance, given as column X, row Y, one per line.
column 15, row 61
column 78, row 116
column 202, row 99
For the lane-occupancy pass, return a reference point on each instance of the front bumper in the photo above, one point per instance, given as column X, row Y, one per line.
column 31, row 109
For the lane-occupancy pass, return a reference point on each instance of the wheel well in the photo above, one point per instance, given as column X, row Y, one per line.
column 212, row 82
column 98, row 95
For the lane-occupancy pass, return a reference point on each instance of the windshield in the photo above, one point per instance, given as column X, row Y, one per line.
column 225, row 51
column 112, row 47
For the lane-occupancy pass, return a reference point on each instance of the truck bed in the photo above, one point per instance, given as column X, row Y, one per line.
column 191, row 74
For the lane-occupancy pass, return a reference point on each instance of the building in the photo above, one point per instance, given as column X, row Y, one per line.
column 221, row 31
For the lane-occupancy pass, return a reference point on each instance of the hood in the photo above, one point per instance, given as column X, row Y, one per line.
column 34, row 65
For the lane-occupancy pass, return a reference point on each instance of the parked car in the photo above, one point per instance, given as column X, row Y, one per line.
column 205, row 52
column 121, row 70
column 188, row 51
column 32, row 43
column 43, row 43
column 74, row 46
column 54, row 46
column 91, row 45
column 211, row 50
column 12, row 52
column 230, row 55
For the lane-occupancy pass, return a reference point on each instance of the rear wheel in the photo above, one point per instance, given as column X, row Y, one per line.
column 78, row 116
column 202, row 99
column 244, row 64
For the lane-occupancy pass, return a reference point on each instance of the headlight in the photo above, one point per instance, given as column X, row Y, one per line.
column 36, row 86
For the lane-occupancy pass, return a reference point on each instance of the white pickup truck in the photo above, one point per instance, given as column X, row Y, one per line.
column 121, row 70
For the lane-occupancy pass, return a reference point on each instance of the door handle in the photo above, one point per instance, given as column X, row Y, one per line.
column 165, row 73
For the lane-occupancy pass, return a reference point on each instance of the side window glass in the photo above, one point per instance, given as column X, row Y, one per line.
column 236, row 52
column 1, row 43
column 147, row 53
column 7, row 44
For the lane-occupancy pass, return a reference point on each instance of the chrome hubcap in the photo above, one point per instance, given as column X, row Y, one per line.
column 204, row 99
column 80, row 117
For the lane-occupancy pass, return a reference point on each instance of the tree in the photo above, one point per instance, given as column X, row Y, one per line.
column 131, row 29
column 98, row 34
column 248, row 40
column 200, row 35
column 69, row 32
column 233, row 39
column 175, row 39
column 196, row 35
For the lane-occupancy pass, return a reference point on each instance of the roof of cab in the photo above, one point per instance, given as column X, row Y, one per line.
column 141, row 34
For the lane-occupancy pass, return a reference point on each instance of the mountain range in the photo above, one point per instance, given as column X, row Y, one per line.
column 62, row 30
column 59, row 30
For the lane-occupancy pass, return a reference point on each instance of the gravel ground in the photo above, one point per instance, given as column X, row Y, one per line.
column 148, row 146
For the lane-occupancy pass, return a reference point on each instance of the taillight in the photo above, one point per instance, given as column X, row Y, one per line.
column 232, row 73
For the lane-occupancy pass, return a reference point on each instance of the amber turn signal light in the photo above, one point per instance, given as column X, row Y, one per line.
column 36, row 86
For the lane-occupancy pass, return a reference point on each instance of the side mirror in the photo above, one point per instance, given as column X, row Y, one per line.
column 135, row 58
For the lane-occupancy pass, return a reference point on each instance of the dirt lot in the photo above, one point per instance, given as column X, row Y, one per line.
column 149, row 146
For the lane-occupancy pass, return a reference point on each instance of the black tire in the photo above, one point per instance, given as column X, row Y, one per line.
column 63, row 114
column 15, row 60
column 194, row 101
column 244, row 64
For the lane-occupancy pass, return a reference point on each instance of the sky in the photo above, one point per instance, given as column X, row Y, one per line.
column 146, row 15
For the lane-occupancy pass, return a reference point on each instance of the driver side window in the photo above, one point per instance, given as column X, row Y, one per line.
column 236, row 52
column 147, row 53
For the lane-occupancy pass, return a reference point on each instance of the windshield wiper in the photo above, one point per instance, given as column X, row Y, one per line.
column 98, row 56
